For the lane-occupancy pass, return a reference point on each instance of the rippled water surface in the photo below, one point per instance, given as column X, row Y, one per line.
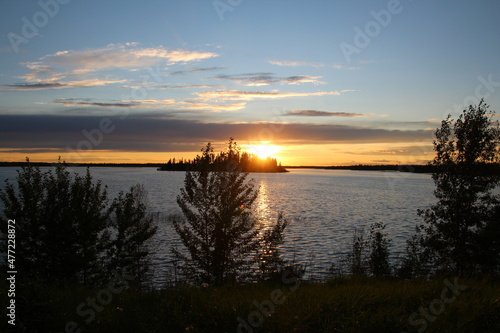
column 323, row 207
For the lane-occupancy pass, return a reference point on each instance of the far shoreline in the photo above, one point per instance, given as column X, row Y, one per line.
column 411, row 168
column 417, row 168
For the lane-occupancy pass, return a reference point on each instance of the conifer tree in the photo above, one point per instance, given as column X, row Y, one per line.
column 60, row 221
column 64, row 226
column 129, row 247
column 221, row 237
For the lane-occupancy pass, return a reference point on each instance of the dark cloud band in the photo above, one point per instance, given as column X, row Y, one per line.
column 162, row 134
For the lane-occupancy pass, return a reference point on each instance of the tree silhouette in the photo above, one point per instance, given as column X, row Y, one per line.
column 379, row 251
column 60, row 221
column 462, row 230
column 64, row 228
column 218, row 230
column 128, row 249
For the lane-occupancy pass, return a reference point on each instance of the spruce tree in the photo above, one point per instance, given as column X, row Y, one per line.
column 222, row 239
column 129, row 248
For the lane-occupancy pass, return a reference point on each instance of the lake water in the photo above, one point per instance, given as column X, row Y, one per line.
column 324, row 208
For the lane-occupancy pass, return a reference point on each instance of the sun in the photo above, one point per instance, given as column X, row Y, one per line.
column 263, row 150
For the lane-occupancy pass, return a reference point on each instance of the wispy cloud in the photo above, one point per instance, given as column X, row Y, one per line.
column 414, row 150
column 165, row 104
column 265, row 79
column 187, row 86
column 316, row 113
column 238, row 95
column 83, row 68
column 186, row 105
column 196, row 70
column 147, row 104
column 32, row 86
column 295, row 63
column 123, row 56
column 59, row 85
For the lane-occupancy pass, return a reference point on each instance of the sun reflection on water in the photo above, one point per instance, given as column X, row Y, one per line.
column 262, row 210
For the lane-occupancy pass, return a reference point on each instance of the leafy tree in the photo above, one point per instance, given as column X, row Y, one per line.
column 220, row 235
column 461, row 231
column 129, row 248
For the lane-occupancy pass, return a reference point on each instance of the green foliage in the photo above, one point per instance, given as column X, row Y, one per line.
column 369, row 255
column 60, row 221
column 379, row 251
column 357, row 259
column 415, row 261
column 129, row 249
column 462, row 231
column 64, row 225
column 218, row 230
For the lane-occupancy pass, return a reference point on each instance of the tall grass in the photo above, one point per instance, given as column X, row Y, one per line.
column 340, row 305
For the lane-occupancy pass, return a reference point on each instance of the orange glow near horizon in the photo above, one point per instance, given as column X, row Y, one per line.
column 287, row 154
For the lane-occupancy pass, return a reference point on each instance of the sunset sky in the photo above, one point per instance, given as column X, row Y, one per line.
column 323, row 82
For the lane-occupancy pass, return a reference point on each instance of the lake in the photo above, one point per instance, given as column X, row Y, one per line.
column 324, row 208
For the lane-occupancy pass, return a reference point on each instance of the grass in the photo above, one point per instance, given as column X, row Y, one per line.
column 340, row 305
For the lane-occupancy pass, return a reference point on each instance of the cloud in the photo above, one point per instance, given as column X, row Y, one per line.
column 315, row 113
column 238, row 95
column 184, row 86
column 59, row 85
column 196, row 70
column 294, row 63
column 153, row 133
column 211, row 107
column 116, row 104
column 415, row 150
column 66, row 69
column 265, row 79
column 166, row 104
column 32, row 86
column 122, row 56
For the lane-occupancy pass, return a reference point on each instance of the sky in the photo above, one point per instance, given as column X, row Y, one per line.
column 320, row 82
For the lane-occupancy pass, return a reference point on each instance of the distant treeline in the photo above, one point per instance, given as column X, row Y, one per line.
column 244, row 161
column 416, row 168
column 46, row 164
column 257, row 166
column 371, row 167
